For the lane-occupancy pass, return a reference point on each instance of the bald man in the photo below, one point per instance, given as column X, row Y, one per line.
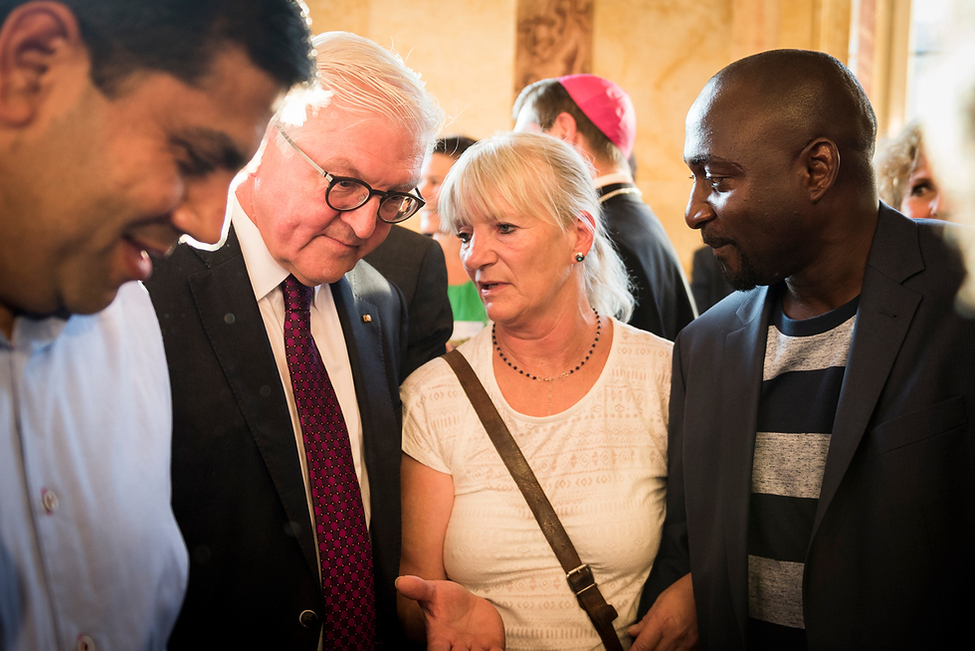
column 822, row 448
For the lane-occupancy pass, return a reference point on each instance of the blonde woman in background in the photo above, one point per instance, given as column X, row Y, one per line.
column 904, row 178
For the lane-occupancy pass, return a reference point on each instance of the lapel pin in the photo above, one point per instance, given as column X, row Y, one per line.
column 367, row 318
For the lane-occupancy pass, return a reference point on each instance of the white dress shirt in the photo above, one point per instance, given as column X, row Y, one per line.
column 266, row 276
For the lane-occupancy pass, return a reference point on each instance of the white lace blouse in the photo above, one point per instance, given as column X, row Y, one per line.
column 602, row 463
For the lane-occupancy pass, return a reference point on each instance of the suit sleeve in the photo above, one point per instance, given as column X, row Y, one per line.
column 673, row 557
column 646, row 315
column 431, row 319
column 664, row 304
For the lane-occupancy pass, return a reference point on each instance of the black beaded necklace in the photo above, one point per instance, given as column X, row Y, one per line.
column 497, row 346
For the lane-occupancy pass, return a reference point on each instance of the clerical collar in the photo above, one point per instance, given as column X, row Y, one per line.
column 611, row 190
column 612, row 179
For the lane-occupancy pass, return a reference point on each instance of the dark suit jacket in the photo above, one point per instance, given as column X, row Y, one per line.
column 415, row 264
column 664, row 304
column 891, row 556
column 708, row 284
column 238, row 492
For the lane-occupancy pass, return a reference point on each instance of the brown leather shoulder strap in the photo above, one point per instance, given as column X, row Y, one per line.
column 578, row 574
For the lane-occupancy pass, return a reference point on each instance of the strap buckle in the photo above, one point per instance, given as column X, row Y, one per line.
column 581, row 579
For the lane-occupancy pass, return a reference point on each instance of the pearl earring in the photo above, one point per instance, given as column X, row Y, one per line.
column 580, row 257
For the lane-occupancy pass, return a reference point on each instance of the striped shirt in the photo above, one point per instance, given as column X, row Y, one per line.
column 803, row 373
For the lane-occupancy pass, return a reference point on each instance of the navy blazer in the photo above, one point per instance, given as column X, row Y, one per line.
column 891, row 556
column 238, row 492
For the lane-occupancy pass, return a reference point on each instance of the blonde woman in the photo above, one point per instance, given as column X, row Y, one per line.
column 583, row 394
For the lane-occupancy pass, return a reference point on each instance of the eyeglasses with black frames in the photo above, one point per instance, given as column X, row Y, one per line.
column 345, row 193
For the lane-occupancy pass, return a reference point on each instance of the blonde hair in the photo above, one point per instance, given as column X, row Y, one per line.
column 535, row 174
column 895, row 161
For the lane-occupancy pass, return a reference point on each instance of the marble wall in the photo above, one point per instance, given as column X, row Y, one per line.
column 661, row 51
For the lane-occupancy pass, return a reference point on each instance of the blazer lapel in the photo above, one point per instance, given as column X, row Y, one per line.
column 883, row 319
column 235, row 328
column 741, row 384
column 362, row 329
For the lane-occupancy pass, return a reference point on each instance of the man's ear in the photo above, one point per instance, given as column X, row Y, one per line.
column 34, row 39
column 821, row 162
column 565, row 128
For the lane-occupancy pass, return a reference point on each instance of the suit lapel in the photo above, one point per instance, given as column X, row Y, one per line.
column 883, row 319
column 740, row 384
column 362, row 329
column 229, row 312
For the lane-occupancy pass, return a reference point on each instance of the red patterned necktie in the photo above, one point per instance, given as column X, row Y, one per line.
column 343, row 540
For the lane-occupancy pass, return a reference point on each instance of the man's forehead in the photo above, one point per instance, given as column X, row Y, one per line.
column 221, row 117
column 720, row 97
column 376, row 134
column 727, row 111
column 699, row 128
column 340, row 133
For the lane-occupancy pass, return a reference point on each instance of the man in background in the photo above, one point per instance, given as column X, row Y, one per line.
column 121, row 126
column 598, row 118
column 286, row 354
column 821, row 492
column 415, row 264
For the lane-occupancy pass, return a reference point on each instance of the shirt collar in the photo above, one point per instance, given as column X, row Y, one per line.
column 264, row 271
column 33, row 335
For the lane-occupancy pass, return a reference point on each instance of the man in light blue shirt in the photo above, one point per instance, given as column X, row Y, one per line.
column 121, row 126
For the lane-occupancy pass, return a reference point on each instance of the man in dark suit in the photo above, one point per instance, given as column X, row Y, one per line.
column 597, row 117
column 822, row 428
column 415, row 264
column 286, row 354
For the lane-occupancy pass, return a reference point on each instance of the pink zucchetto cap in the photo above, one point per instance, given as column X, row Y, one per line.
column 607, row 105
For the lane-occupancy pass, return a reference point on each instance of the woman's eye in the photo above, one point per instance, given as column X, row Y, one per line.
column 464, row 237
column 921, row 188
column 506, row 228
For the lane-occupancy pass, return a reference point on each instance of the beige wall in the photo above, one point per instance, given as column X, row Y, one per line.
column 463, row 49
column 661, row 51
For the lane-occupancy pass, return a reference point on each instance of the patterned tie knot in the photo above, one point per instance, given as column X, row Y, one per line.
column 297, row 297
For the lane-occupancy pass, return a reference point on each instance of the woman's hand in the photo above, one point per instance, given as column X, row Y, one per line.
column 455, row 619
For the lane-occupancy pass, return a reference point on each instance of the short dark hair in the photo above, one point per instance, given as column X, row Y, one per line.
column 547, row 98
column 452, row 146
column 183, row 37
